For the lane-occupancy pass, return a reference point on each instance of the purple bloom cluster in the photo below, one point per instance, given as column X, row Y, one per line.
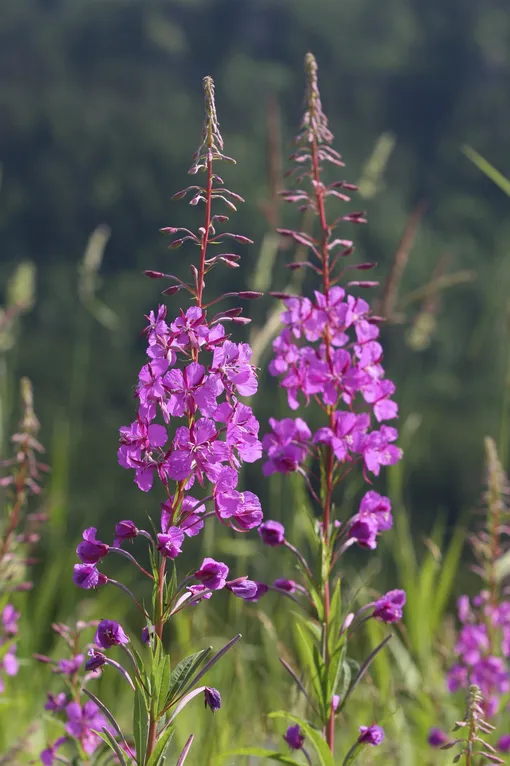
column 81, row 721
column 219, row 432
column 371, row 735
column 294, row 737
column 8, row 629
column 482, row 649
column 328, row 351
column 373, row 517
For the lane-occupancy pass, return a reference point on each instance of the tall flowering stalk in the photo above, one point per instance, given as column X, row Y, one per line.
column 19, row 527
column 482, row 649
column 328, row 357
column 192, row 384
column 473, row 748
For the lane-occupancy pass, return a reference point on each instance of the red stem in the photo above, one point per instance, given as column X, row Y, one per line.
column 160, row 618
column 329, row 469
column 207, row 226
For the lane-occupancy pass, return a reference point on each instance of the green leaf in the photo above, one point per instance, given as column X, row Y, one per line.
column 363, row 669
column 183, row 673
column 140, row 725
column 324, row 754
column 259, row 752
column 158, row 756
column 352, row 754
column 113, row 745
column 345, row 674
column 335, row 617
column 106, row 711
column 306, row 646
column 160, row 677
column 487, row 169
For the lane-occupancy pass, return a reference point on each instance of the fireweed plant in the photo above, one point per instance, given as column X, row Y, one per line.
column 482, row 649
column 328, row 355
column 19, row 528
column 192, row 384
column 80, row 717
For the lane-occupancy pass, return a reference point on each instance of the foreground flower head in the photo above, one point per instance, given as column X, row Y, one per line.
column 109, row 633
column 371, row 735
column 389, row 607
column 212, row 699
column 294, row 737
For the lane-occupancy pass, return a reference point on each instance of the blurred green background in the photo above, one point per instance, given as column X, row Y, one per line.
column 100, row 112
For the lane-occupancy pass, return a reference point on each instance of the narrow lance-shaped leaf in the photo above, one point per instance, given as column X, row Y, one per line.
column 324, row 755
column 363, row 669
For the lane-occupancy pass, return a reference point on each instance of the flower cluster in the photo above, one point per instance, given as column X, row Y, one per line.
column 19, row 529
column 483, row 643
column 329, row 354
column 192, row 433
column 192, row 382
column 220, row 432
column 8, row 630
column 81, row 717
column 482, row 648
column 479, row 660
column 341, row 372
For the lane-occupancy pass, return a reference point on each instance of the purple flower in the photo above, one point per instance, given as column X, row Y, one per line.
column 146, row 635
column 389, row 607
column 364, row 531
column 377, row 449
column 212, row 574
column 241, row 510
column 232, row 362
column 504, row 744
column 262, row 589
column 90, row 551
column 8, row 665
column 191, row 388
column 377, row 507
column 347, row 435
column 294, row 737
column 138, row 442
column 169, row 544
column 242, row 431
column 196, row 451
column 189, row 329
column 212, row 699
column 81, row 723
column 48, row 755
column 71, row 666
column 199, row 592
column 286, row 446
column 371, row 735
column 124, row 530
column 472, row 643
column 96, row 661
column 87, row 576
column 437, row 737
column 188, row 516
column 243, row 588
column 10, row 619
column 109, row 633
column 55, row 702
column 378, row 393
column 288, row 586
column 272, row 533
column 457, row 678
